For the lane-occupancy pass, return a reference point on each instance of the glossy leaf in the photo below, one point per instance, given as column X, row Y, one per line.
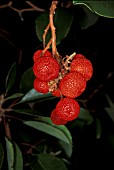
column 85, row 116
column 10, row 77
column 62, row 128
column 102, row 8
column 48, row 162
column 14, row 156
column 1, row 155
column 110, row 109
column 77, row 123
column 27, row 112
column 49, row 129
column 16, row 95
column 18, row 158
column 10, row 154
column 34, row 95
column 88, row 18
column 62, row 22
column 27, row 79
column 98, row 129
column 67, row 148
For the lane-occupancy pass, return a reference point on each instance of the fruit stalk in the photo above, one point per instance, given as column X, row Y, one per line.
column 53, row 30
column 44, row 35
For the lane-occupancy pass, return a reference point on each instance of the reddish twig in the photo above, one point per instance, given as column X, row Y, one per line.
column 47, row 47
column 34, row 7
column 44, row 35
column 51, row 17
column 20, row 11
column 7, row 128
column 6, row 5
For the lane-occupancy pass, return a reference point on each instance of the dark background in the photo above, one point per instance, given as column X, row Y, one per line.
column 18, row 42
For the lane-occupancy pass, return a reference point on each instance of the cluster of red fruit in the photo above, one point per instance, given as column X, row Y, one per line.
column 69, row 83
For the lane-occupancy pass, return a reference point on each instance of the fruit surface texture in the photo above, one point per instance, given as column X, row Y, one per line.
column 67, row 109
column 41, row 86
column 82, row 66
column 56, row 119
column 38, row 54
column 72, row 85
column 46, row 68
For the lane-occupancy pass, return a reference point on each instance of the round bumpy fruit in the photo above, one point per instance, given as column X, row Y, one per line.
column 83, row 66
column 46, row 68
column 67, row 109
column 56, row 119
column 41, row 86
column 38, row 54
column 79, row 56
column 57, row 93
column 72, row 85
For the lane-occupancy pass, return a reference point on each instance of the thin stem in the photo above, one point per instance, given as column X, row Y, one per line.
column 13, row 117
column 44, row 35
column 1, row 109
column 47, row 47
column 7, row 128
column 35, row 7
column 51, row 16
column 20, row 11
column 6, row 5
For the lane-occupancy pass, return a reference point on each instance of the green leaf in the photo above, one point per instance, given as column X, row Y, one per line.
column 102, row 8
column 10, row 77
column 34, row 95
column 51, row 129
column 62, row 128
column 66, row 147
column 110, row 109
column 27, row 112
column 14, row 156
column 1, row 156
column 98, row 129
column 48, row 162
column 10, row 154
column 27, row 79
column 88, row 18
column 18, row 158
column 85, row 116
column 62, row 22
column 16, row 95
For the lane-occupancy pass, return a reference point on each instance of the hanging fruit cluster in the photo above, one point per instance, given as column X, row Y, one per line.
column 65, row 77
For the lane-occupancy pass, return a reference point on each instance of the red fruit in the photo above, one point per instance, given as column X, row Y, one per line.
column 79, row 56
column 57, row 93
column 38, row 54
column 41, row 86
column 82, row 66
column 46, row 68
column 56, row 119
column 72, row 85
column 67, row 109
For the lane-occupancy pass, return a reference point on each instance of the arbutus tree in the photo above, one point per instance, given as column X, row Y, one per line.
column 49, row 112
